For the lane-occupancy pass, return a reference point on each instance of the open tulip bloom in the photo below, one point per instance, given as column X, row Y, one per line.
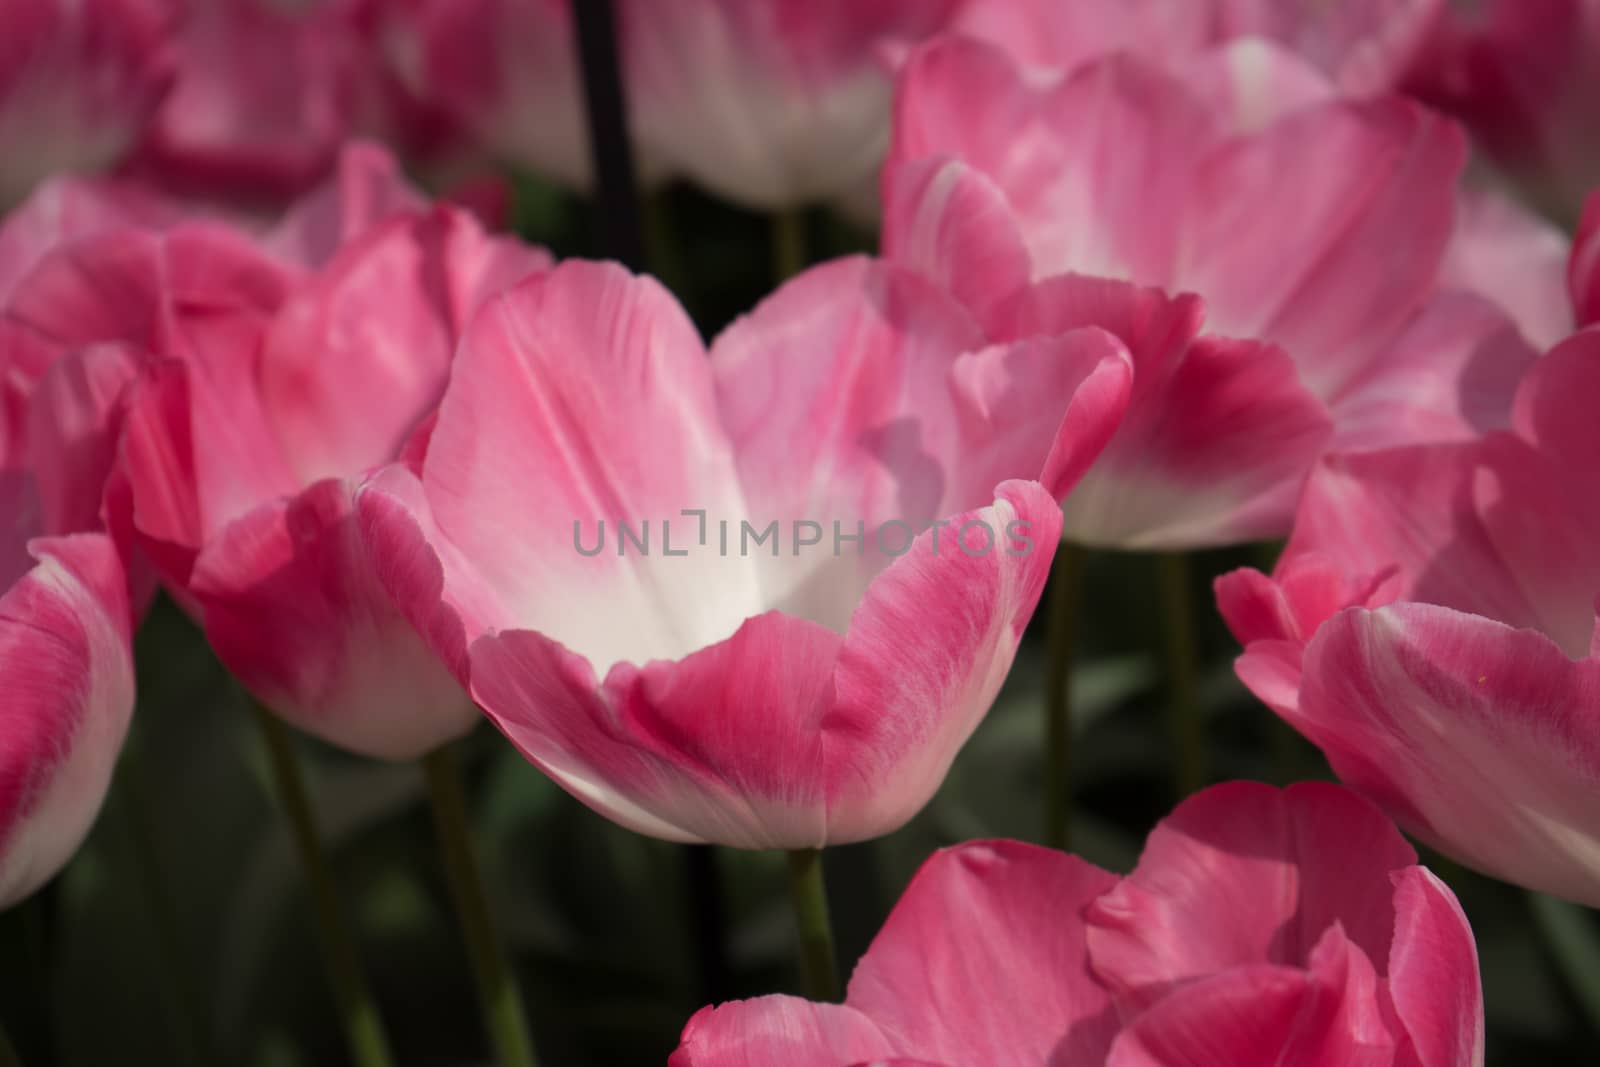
column 850, row 510
column 1432, row 628
column 1326, row 326
column 1259, row 928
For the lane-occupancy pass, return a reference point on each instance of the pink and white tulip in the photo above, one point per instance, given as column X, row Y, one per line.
column 243, row 447
column 78, row 81
column 220, row 393
column 1431, row 627
column 1260, row 928
column 1001, row 181
column 788, row 695
column 769, row 103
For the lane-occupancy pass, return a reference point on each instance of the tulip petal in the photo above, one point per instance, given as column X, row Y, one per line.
column 1261, row 1015
column 1335, row 274
column 365, row 188
column 725, row 745
column 1245, row 873
column 291, row 605
column 583, row 396
column 950, row 223
column 1449, row 376
column 1478, row 737
column 1255, row 81
column 1433, row 973
column 907, row 416
column 67, row 673
column 1548, row 533
column 1368, row 45
column 356, row 358
column 1094, row 164
column 1512, row 257
column 1218, row 434
column 769, row 105
column 778, row 1031
column 1409, row 513
column 65, row 208
column 1000, row 917
column 74, row 416
column 925, row 655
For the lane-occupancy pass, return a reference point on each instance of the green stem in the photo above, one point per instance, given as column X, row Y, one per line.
column 8, row 1051
column 497, row 985
column 179, row 992
column 1066, row 590
column 358, row 1010
column 1190, row 772
column 816, row 932
column 788, row 243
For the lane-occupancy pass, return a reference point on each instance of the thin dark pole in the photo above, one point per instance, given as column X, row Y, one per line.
column 616, row 193
column 622, row 236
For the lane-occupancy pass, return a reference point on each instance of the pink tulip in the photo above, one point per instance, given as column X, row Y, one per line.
column 1000, row 182
column 262, row 100
column 66, row 667
column 77, row 82
column 1524, row 75
column 767, row 102
column 233, row 388
column 243, row 447
column 779, row 694
column 1366, row 47
column 1260, row 928
column 1431, row 628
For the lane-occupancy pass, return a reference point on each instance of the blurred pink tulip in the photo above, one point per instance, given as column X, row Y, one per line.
column 263, row 97
column 1432, row 628
column 232, row 388
column 244, row 444
column 1524, row 76
column 1260, row 928
column 78, row 80
column 1000, row 182
column 1367, row 46
column 769, row 103
column 804, row 691
column 66, row 668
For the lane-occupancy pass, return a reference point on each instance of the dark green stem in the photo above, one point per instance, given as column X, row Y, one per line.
column 788, row 244
column 1066, row 590
column 810, row 896
column 1183, row 679
column 498, row 995
column 179, row 992
column 358, row 1010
